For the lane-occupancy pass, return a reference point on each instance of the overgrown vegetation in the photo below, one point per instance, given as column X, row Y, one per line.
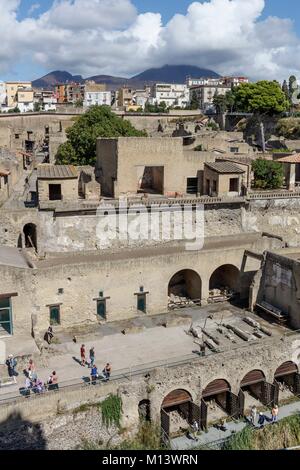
column 147, row 438
column 111, row 409
column 288, row 128
column 268, row 174
column 98, row 121
column 284, row 434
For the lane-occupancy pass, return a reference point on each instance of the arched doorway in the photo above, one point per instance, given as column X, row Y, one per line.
column 178, row 411
column 287, row 379
column 217, row 402
column 185, row 289
column 30, row 234
column 255, row 390
column 224, row 283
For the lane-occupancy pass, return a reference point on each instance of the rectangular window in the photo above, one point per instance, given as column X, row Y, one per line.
column 192, row 186
column 234, row 149
column 5, row 316
column 234, row 185
column 54, row 315
column 55, row 192
column 214, row 186
column 101, row 309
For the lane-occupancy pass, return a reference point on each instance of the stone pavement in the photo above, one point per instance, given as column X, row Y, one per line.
column 213, row 434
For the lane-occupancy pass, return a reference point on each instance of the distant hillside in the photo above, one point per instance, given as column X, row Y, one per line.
column 173, row 74
column 53, row 78
column 167, row 73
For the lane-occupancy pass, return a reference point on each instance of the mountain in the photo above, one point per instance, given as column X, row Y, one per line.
column 174, row 74
column 53, row 78
column 167, row 74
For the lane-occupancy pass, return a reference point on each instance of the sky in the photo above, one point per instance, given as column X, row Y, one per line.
column 257, row 38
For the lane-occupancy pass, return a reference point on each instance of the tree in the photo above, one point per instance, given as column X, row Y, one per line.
column 194, row 104
column 292, row 85
column 98, row 121
column 285, row 89
column 36, row 107
column 268, row 174
column 16, row 109
column 220, row 103
column 263, row 97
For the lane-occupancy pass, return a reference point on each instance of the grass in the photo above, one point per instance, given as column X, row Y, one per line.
column 284, row 434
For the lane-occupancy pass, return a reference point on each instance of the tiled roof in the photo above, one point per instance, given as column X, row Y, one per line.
column 48, row 171
column 290, row 159
column 224, row 167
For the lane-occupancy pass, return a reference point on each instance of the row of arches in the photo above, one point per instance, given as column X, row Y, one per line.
column 218, row 396
column 188, row 284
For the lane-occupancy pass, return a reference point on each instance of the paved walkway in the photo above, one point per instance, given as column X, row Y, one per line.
column 213, row 434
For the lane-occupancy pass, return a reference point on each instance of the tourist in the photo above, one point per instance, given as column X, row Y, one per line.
column 92, row 357
column 275, row 411
column 49, row 335
column 107, row 371
column 195, row 430
column 53, row 381
column 253, row 415
column 94, row 374
column 82, row 355
column 261, row 420
column 28, row 385
column 30, row 369
column 11, row 363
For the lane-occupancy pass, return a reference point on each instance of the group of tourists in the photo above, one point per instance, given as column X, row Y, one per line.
column 35, row 384
column 262, row 418
column 106, row 372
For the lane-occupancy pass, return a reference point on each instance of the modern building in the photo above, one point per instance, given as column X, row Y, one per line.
column 12, row 89
column 170, row 93
column 96, row 94
column 125, row 97
column 205, row 94
column 25, row 98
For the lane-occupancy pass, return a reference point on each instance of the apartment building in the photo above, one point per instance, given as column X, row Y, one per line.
column 170, row 93
column 96, row 94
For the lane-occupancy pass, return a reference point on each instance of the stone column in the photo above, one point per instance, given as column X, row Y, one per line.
column 292, row 177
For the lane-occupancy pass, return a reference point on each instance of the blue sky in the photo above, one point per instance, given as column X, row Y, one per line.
column 48, row 55
column 281, row 8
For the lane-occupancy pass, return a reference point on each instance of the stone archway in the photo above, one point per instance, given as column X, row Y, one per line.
column 225, row 281
column 255, row 390
column 185, row 288
column 287, row 380
column 30, row 236
column 217, row 401
column 178, row 411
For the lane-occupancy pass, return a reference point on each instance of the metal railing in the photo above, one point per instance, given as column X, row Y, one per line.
column 135, row 371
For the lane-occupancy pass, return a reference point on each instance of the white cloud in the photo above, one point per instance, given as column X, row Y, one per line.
column 33, row 8
column 109, row 36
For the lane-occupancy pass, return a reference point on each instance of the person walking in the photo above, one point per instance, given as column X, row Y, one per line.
column 82, row 355
column 92, row 357
column 49, row 334
column 11, row 363
column 94, row 374
column 253, row 414
column 275, row 411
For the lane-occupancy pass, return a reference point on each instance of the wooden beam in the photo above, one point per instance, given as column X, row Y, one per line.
column 6, row 296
